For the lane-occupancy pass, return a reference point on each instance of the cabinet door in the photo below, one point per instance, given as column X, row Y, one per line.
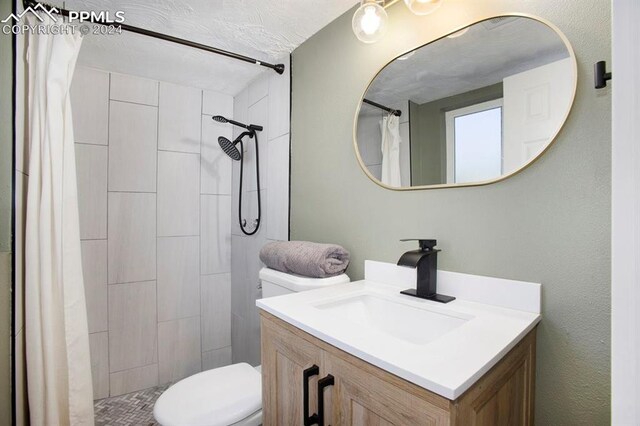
column 505, row 395
column 363, row 395
column 285, row 355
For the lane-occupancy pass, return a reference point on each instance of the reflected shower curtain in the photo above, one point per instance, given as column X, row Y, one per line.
column 57, row 341
column 390, row 128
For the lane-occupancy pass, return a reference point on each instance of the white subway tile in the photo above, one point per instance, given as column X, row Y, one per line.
column 241, row 109
column 129, row 88
column 178, row 277
column 132, row 237
column 179, row 349
column 215, row 237
column 215, row 164
column 133, row 340
column 215, row 103
column 91, row 171
column 90, row 106
column 94, row 268
column 258, row 89
column 216, row 311
column 132, row 147
column 179, row 125
column 99, row 346
column 239, row 276
column 258, row 114
column 279, row 101
column 278, row 183
column 217, row 358
column 132, row 380
column 246, row 340
column 178, row 194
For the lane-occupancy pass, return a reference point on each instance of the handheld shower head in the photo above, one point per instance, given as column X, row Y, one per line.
column 230, row 148
column 250, row 127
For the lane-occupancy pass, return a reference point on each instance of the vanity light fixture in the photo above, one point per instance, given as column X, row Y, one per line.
column 423, row 7
column 369, row 22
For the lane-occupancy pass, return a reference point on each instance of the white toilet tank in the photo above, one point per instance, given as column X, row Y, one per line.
column 276, row 283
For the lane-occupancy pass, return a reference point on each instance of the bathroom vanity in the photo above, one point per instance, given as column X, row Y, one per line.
column 363, row 354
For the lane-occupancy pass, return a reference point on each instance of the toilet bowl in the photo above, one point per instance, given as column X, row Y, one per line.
column 230, row 395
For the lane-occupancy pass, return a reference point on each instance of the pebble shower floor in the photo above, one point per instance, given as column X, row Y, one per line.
column 134, row 408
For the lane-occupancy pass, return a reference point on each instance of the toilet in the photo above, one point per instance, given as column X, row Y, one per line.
column 230, row 395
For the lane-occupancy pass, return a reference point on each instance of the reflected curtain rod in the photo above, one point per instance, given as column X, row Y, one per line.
column 279, row 68
column 395, row 112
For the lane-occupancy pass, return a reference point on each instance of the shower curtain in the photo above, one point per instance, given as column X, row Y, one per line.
column 390, row 128
column 57, row 340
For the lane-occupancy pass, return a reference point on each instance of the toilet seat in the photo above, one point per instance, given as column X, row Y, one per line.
column 223, row 396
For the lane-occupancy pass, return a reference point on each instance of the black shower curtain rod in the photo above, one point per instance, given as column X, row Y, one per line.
column 395, row 112
column 279, row 68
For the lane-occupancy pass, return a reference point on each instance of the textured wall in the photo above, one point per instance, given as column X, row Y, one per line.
column 548, row 224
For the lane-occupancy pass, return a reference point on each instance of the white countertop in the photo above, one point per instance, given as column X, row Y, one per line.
column 449, row 364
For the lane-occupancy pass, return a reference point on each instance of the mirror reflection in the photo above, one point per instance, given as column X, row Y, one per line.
column 469, row 108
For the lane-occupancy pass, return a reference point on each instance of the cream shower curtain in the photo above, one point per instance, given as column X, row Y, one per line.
column 57, row 341
column 390, row 128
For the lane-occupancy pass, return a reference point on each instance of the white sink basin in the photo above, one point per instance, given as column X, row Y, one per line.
column 402, row 321
column 444, row 348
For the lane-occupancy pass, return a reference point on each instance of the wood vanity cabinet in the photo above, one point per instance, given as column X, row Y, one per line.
column 358, row 393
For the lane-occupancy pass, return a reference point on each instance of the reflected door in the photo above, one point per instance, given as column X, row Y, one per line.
column 534, row 105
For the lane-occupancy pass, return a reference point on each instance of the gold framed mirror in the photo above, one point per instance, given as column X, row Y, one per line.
column 473, row 107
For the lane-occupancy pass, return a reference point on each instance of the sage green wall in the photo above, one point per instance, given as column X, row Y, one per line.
column 6, row 173
column 549, row 224
column 428, row 133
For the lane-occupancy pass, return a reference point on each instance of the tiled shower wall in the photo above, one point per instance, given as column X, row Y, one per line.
column 159, row 296
column 154, row 194
column 266, row 102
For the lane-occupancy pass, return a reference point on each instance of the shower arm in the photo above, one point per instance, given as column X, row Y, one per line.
column 249, row 133
column 279, row 68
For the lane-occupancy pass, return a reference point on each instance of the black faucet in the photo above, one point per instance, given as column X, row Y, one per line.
column 425, row 260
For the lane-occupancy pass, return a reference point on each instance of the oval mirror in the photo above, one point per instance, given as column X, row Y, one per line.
column 470, row 108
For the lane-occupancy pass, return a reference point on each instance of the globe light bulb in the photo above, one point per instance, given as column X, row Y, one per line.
column 423, row 7
column 369, row 22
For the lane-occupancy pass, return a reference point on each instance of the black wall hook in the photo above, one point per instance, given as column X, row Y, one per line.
column 601, row 75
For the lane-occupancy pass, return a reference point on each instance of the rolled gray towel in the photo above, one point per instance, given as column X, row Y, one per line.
column 305, row 258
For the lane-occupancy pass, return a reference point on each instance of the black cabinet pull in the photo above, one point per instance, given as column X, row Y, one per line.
column 323, row 383
column 307, row 419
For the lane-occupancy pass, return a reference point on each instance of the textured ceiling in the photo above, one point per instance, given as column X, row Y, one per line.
column 265, row 29
column 487, row 53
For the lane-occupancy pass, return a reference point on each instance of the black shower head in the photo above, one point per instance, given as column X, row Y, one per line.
column 250, row 127
column 229, row 148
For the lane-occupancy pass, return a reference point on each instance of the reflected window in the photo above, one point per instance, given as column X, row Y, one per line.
column 474, row 142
